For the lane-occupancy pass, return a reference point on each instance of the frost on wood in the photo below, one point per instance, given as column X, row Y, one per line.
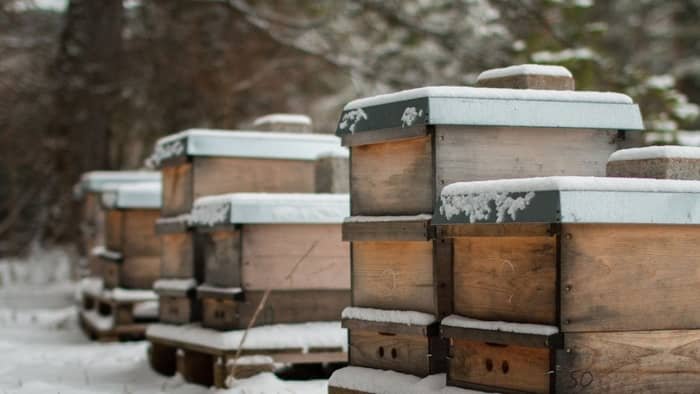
column 479, row 206
column 164, row 151
column 211, row 210
column 389, row 382
column 525, row 69
column 657, row 152
column 410, row 114
column 388, row 316
column 520, row 328
column 350, row 119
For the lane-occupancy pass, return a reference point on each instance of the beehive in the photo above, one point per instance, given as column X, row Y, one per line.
column 609, row 263
column 88, row 191
column 290, row 243
column 131, row 257
column 661, row 162
column 290, row 123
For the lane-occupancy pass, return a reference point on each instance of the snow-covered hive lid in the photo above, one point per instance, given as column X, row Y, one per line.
column 657, row 152
column 144, row 195
column 528, row 76
column 268, row 208
column 571, row 200
column 95, row 181
column 247, row 144
column 284, row 122
column 483, row 106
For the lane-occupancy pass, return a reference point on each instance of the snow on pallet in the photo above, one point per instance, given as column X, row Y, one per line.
column 206, row 356
column 117, row 314
column 360, row 380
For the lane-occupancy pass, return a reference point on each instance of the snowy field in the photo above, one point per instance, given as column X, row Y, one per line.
column 42, row 349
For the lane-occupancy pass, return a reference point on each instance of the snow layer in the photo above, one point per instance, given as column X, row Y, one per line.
column 146, row 310
column 278, row 336
column 525, row 69
column 463, row 92
column 389, row 382
column 239, row 208
column 174, row 284
column 101, row 323
column 386, row 219
column 410, row 318
column 339, row 151
column 519, row 328
column 141, row 195
column 96, row 180
column 102, row 251
column 283, row 118
column 253, row 144
column 656, row 152
column 219, row 290
column 91, row 285
column 128, row 295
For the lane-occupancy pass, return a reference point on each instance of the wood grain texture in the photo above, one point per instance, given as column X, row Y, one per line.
column 114, row 232
column 392, row 178
column 397, row 352
column 177, row 256
column 483, row 365
column 495, row 230
column 444, row 278
column 630, row 277
column 394, row 275
column 483, row 153
column 501, row 337
column 395, row 230
column 139, row 272
column 506, row 278
column 139, row 235
column 217, row 175
column 384, row 135
column 295, row 306
column 177, row 189
column 222, row 256
column 315, row 253
column 630, row 362
column 393, row 328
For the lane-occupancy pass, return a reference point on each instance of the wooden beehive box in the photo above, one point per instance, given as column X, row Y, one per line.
column 131, row 254
column 290, row 243
column 177, row 300
column 88, row 191
column 406, row 146
column 197, row 163
column 661, row 162
column 610, row 263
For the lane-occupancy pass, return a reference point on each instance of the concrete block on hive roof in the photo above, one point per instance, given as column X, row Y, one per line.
column 291, row 123
column 661, row 162
column 528, row 76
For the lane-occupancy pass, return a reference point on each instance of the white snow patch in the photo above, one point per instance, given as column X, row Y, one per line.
column 387, row 219
column 146, row 310
column 95, row 181
column 278, row 336
column 410, row 318
column 519, row 328
column 220, row 290
column 661, row 82
column 390, row 382
column 102, row 251
column 239, row 208
column 41, row 266
column 339, row 151
column 656, row 152
column 174, row 284
column 283, row 118
column 252, row 360
column 478, row 206
column 410, row 114
column 463, row 92
column 141, row 195
column 351, row 118
column 525, row 69
column 91, row 285
column 564, row 55
column 129, row 295
column 102, row 323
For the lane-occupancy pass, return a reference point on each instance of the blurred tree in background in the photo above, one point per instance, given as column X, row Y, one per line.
column 90, row 84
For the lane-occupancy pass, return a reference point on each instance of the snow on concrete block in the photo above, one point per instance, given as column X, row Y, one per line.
column 292, row 123
column 660, row 162
column 528, row 76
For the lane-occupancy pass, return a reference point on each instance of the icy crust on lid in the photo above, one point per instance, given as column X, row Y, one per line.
column 143, row 195
column 240, row 208
column 519, row 328
column 656, row 152
column 410, row 318
column 389, row 382
column 234, row 143
column 525, row 69
column 278, row 336
column 174, row 284
column 464, row 92
column 283, row 118
column 96, row 180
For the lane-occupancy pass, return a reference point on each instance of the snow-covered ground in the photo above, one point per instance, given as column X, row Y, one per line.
column 42, row 349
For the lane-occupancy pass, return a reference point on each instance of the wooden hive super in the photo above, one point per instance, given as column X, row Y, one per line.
column 595, row 278
column 131, row 256
column 290, row 243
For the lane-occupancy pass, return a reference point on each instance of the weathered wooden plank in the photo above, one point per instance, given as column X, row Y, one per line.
column 392, row 328
column 162, row 358
column 178, row 310
column 394, row 275
column 139, row 233
column 629, row 277
column 295, row 306
column 506, row 278
column 394, row 230
column 177, row 189
column 397, row 352
column 314, row 254
column 444, row 277
column 220, row 313
column 222, row 256
column 114, row 231
column 393, row 178
column 630, row 362
column 177, row 256
column 139, row 272
column 196, row 367
column 385, row 135
column 499, row 368
column 502, row 337
column 495, row 230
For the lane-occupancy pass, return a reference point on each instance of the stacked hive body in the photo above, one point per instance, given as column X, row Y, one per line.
column 130, row 263
column 405, row 147
column 217, row 266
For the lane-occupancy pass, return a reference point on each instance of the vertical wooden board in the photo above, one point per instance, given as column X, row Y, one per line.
column 630, row 277
column 114, row 220
column 517, row 368
column 220, row 314
column 294, row 306
column 91, row 207
column 217, row 175
column 630, row 362
column 177, row 189
column 139, row 272
column 313, row 254
column 484, row 153
column 222, row 256
column 110, row 273
column 177, row 255
column 506, row 278
column 140, row 237
column 392, row 178
column 397, row 352
column 394, row 275
column 443, row 274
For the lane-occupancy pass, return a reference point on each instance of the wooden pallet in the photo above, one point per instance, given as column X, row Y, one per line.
column 124, row 332
column 210, row 366
column 118, row 320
